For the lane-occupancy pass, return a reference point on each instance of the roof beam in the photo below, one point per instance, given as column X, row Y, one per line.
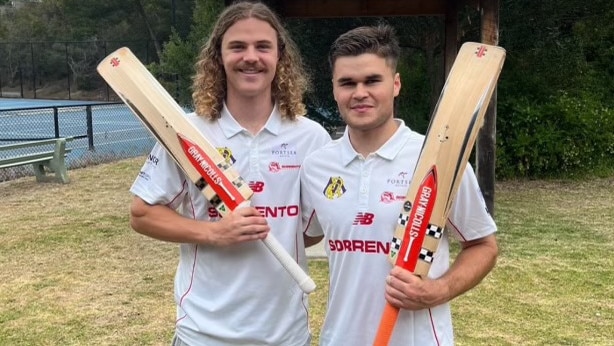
column 362, row 8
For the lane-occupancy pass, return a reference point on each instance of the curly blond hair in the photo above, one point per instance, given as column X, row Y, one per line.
column 289, row 84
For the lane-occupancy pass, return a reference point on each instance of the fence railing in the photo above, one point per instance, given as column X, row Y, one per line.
column 101, row 132
column 60, row 70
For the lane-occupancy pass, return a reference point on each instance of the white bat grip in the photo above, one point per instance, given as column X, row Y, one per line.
column 297, row 273
column 291, row 266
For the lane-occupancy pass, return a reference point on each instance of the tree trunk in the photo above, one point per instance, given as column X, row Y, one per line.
column 486, row 140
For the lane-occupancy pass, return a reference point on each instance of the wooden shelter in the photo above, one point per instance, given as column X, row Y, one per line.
column 449, row 9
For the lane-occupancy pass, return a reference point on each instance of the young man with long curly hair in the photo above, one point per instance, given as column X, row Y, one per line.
column 248, row 89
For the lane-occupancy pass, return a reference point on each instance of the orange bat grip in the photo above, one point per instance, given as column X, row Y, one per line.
column 386, row 325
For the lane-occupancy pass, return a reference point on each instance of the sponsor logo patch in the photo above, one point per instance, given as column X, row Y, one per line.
column 276, row 167
column 284, row 150
column 388, row 197
column 363, row 219
column 400, row 180
column 256, row 186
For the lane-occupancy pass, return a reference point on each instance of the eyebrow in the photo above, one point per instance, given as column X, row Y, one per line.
column 244, row 42
column 343, row 80
column 368, row 77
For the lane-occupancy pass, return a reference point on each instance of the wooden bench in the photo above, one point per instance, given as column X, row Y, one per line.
column 44, row 156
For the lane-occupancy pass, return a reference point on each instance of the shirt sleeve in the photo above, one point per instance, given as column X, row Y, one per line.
column 160, row 180
column 469, row 218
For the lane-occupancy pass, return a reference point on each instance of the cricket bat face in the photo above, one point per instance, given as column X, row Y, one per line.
column 454, row 126
column 166, row 120
column 458, row 116
column 219, row 182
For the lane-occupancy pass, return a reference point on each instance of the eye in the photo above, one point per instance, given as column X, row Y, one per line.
column 264, row 47
column 236, row 47
column 346, row 83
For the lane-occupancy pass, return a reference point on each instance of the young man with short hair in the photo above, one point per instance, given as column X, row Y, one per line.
column 352, row 193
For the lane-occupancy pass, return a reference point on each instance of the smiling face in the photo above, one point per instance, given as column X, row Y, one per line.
column 364, row 87
column 249, row 55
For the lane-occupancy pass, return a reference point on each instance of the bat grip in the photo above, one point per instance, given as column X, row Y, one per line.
column 298, row 274
column 386, row 325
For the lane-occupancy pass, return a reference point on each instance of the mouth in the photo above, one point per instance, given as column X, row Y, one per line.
column 361, row 107
column 250, row 69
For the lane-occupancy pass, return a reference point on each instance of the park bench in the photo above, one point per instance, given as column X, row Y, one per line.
column 48, row 154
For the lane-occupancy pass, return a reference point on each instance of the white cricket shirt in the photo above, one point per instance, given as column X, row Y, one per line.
column 240, row 295
column 357, row 202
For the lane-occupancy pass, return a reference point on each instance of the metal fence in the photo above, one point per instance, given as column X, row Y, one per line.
column 60, row 70
column 100, row 132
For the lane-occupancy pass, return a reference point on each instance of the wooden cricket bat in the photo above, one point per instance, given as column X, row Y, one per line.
column 450, row 137
column 219, row 182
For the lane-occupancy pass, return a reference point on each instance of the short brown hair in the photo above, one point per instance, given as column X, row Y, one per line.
column 380, row 40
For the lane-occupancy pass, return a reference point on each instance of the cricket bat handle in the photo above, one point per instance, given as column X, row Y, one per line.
column 283, row 257
column 386, row 325
column 297, row 273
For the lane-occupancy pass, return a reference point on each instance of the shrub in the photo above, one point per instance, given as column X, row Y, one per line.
column 564, row 136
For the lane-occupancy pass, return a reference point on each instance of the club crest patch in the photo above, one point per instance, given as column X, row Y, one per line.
column 335, row 188
column 227, row 154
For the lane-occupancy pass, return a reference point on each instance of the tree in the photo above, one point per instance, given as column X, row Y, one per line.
column 179, row 54
column 555, row 91
column 152, row 34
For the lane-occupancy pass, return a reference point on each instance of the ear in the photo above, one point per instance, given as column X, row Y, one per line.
column 397, row 84
column 332, row 82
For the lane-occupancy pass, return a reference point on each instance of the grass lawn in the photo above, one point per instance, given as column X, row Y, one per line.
column 74, row 273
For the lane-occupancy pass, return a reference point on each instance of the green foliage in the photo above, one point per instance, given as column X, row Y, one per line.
column 556, row 92
column 555, row 95
column 175, row 68
column 313, row 38
column 179, row 55
column 565, row 136
column 412, row 104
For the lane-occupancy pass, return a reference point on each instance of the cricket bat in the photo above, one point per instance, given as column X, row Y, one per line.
column 448, row 143
column 219, row 182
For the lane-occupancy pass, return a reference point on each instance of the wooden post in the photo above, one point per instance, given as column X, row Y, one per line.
column 486, row 139
column 451, row 36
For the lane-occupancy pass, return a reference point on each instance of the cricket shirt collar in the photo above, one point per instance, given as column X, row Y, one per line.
column 395, row 144
column 230, row 127
column 388, row 151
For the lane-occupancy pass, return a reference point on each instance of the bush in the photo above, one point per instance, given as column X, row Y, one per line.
column 565, row 136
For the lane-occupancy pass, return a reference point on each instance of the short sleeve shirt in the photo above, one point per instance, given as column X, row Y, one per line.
column 357, row 201
column 240, row 295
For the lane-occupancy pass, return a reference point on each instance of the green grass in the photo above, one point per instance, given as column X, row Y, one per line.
column 74, row 273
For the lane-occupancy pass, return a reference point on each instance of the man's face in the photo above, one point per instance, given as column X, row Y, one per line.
column 250, row 55
column 364, row 87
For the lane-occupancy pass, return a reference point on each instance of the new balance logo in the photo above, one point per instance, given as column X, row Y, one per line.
column 256, row 186
column 363, row 219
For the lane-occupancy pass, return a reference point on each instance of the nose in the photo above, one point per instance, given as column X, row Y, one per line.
column 250, row 54
column 360, row 92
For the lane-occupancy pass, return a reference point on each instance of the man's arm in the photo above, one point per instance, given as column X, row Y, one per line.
column 163, row 223
column 475, row 260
